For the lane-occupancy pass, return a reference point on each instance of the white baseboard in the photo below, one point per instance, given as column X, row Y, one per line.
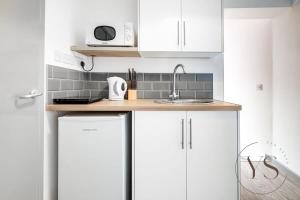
column 295, row 178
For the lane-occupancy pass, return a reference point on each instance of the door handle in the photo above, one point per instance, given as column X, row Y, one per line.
column 191, row 134
column 184, row 39
column 31, row 95
column 182, row 133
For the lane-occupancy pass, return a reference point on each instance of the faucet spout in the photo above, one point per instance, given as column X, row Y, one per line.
column 174, row 95
column 179, row 66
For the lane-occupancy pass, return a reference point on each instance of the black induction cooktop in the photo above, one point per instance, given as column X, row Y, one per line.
column 76, row 100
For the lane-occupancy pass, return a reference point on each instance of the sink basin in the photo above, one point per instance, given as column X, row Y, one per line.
column 184, row 101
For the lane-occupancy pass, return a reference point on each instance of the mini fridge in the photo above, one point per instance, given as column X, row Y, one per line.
column 94, row 157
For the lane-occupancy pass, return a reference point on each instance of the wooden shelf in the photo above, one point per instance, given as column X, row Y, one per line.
column 107, row 51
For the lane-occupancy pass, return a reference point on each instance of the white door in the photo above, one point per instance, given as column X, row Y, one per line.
column 21, row 120
column 202, row 25
column 159, row 25
column 212, row 151
column 160, row 155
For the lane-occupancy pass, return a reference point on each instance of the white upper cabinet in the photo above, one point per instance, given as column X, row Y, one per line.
column 202, row 26
column 160, row 25
column 180, row 28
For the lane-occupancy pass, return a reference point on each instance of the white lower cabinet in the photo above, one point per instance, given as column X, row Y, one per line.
column 159, row 160
column 211, row 155
column 185, row 155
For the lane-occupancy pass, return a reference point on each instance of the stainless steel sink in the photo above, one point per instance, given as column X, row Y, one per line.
column 184, row 101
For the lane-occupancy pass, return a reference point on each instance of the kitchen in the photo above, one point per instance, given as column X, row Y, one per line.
column 248, row 71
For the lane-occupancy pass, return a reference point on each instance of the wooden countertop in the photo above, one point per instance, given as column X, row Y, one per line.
column 143, row 105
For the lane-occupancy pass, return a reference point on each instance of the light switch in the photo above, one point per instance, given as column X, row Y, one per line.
column 260, row 87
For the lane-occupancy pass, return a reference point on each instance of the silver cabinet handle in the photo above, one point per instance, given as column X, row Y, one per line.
column 191, row 134
column 178, row 33
column 31, row 95
column 184, row 41
column 182, row 133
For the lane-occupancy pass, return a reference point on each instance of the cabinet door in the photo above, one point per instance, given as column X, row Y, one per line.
column 211, row 158
column 159, row 25
column 159, row 157
column 202, row 25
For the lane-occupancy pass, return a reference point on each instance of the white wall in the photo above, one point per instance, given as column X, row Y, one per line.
column 110, row 11
column 263, row 46
column 50, row 156
column 67, row 21
column 248, row 62
column 63, row 28
column 286, row 91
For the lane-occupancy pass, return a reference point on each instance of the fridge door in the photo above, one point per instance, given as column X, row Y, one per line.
column 92, row 157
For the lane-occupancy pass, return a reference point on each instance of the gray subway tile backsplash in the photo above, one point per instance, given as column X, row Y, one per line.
column 121, row 75
column 102, row 94
column 66, row 85
column 161, row 86
column 60, row 73
column 99, row 76
column 140, row 94
column 195, row 85
column 50, row 71
column 152, row 77
column 140, row 77
column 166, row 77
column 92, row 85
column 66, row 82
column 85, row 76
column 204, row 94
column 53, row 84
column 78, row 85
column 187, row 77
column 73, row 93
column 141, row 85
column 164, row 94
column 59, row 94
column 208, row 85
column 103, row 85
column 84, row 93
column 204, row 77
column 152, row 95
column 180, row 85
column 187, row 94
column 73, row 75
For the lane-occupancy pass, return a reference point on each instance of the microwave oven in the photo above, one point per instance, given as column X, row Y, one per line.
column 121, row 35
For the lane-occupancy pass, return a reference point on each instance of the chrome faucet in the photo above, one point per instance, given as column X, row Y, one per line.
column 173, row 95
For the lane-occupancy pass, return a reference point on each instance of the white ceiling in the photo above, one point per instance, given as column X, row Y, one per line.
column 258, row 3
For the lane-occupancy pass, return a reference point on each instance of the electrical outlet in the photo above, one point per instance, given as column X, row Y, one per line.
column 260, row 87
column 66, row 59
